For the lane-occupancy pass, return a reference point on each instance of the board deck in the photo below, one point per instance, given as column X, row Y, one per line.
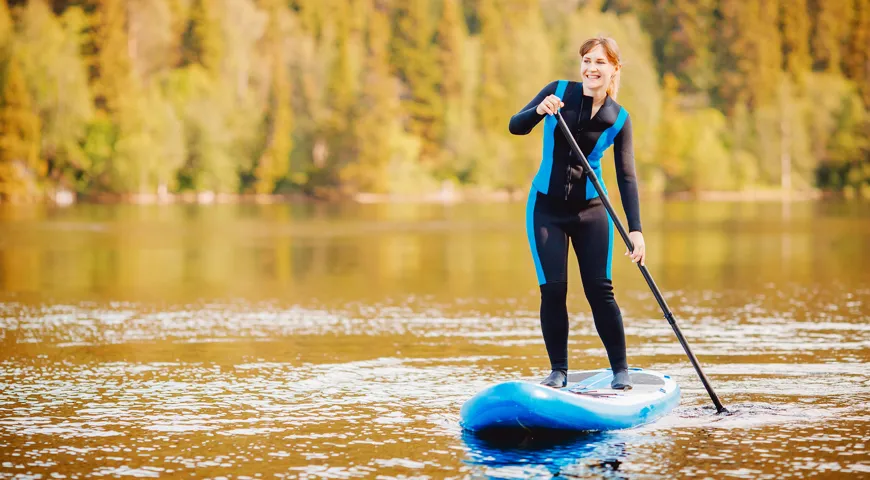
column 586, row 403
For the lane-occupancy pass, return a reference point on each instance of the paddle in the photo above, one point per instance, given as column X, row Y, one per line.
column 652, row 285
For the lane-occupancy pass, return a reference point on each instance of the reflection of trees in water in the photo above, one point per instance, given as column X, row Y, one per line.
column 192, row 251
column 524, row 454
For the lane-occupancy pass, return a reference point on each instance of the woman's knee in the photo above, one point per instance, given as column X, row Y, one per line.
column 599, row 291
column 554, row 292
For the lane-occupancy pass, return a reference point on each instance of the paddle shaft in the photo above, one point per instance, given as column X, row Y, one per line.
column 643, row 270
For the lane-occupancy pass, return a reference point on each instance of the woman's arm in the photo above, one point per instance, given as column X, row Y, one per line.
column 623, row 153
column 526, row 119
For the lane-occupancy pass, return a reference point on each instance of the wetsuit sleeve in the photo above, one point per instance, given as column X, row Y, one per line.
column 626, row 177
column 525, row 120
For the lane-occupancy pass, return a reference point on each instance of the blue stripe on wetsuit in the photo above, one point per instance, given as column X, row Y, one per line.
column 609, row 245
column 530, row 231
column 604, row 142
column 542, row 179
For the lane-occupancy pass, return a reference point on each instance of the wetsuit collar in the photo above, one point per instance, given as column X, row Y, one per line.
column 586, row 104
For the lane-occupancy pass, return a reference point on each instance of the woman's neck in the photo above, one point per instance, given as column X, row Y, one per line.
column 598, row 95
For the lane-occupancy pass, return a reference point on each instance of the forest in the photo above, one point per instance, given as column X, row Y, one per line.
column 144, row 99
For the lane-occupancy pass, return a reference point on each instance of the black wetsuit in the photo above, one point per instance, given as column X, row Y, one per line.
column 564, row 204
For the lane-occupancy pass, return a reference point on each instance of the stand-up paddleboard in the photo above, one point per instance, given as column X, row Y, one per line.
column 587, row 403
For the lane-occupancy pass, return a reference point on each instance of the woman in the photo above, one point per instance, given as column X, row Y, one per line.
column 564, row 204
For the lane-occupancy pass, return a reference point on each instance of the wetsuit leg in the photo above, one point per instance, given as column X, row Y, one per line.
column 593, row 244
column 549, row 246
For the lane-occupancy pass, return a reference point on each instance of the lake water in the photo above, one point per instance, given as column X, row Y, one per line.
column 340, row 341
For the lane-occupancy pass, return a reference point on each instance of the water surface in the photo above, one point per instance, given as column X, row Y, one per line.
column 339, row 341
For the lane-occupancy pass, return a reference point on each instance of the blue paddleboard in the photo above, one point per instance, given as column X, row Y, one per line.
column 587, row 403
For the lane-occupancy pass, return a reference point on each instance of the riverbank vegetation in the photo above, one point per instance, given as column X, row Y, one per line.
column 145, row 99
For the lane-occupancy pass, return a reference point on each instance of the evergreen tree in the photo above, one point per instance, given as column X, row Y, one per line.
column 20, row 162
column 151, row 30
column 341, row 95
column 313, row 15
column 456, row 114
column 673, row 134
column 769, row 46
column 750, row 52
column 687, row 49
column 110, row 77
column 449, row 41
column 494, row 108
column 54, row 71
column 416, row 63
column 831, row 32
column 203, row 41
column 858, row 54
column 5, row 26
column 377, row 124
column 274, row 161
column 795, row 26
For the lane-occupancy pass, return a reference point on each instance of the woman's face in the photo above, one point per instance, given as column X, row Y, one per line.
column 595, row 69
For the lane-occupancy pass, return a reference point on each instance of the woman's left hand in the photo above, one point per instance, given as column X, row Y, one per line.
column 639, row 253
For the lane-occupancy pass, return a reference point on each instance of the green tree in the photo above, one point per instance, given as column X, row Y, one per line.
column 494, row 94
column 342, row 89
column 274, row 161
column 687, row 48
column 150, row 28
column 5, row 25
column 377, row 122
column 416, row 63
column 203, row 41
column 20, row 164
column 110, row 76
column 450, row 41
column 209, row 164
column 750, row 52
column 795, row 26
column 830, row 33
column 150, row 145
column 57, row 79
column 858, row 54
column 312, row 14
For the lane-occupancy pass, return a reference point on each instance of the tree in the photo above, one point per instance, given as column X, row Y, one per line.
column 450, row 39
column 110, row 76
column 750, row 52
column 687, row 48
column 493, row 96
column 795, row 26
column 5, row 25
column 377, row 124
column 20, row 162
column 341, row 97
column 203, row 41
column 830, row 33
column 274, row 161
column 57, row 79
column 416, row 63
column 858, row 54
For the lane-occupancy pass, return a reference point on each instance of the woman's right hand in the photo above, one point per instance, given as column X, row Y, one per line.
column 550, row 105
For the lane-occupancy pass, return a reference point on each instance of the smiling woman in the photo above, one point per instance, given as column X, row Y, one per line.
column 600, row 66
column 564, row 204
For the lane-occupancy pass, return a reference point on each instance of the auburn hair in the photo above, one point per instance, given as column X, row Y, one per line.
column 611, row 51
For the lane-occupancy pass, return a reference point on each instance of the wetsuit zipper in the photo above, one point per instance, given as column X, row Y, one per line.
column 568, row 173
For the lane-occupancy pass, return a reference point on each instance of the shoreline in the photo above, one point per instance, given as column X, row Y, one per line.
column 440, row 197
